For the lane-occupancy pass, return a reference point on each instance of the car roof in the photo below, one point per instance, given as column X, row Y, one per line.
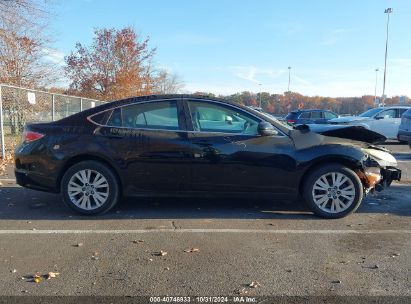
column 393, row 107
column 310, row 110
column 123, row 102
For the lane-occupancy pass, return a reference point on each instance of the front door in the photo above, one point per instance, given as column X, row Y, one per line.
column 229, row 155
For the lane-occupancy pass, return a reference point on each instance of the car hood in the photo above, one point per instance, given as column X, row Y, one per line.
column 354, row 133
column 347, row 119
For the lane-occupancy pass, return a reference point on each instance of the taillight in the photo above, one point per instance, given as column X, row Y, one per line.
column 29, row 136
column 291, row 121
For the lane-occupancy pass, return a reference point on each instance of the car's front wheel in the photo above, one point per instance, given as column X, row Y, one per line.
column 90, row 187
column 333, row 191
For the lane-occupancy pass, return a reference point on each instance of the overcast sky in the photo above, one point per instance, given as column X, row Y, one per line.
column 228, row 46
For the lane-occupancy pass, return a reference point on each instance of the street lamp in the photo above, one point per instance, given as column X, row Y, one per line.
column 289, row 78
column 375, row 90
column 388, row 11
column 260, row 95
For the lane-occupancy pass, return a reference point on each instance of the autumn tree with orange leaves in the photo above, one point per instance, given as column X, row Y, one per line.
column 117, row 65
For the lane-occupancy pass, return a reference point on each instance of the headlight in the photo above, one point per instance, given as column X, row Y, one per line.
column 382, row 155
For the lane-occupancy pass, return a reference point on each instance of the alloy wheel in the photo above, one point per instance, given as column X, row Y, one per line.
column 333, row 192
column 88, row 189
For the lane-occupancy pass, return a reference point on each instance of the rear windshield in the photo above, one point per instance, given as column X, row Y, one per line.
column 407, row 113
column 291, row 115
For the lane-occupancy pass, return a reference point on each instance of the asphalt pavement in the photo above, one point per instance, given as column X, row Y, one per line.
column 199, row 247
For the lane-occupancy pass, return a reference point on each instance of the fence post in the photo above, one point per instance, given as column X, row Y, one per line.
column 81, row 104
column 52, row 107
column 3, row 145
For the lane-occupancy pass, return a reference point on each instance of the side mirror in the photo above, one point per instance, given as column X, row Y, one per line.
column 266, row 129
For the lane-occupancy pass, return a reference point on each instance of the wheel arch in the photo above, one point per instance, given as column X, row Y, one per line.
column 84, row 157
column 345, row 161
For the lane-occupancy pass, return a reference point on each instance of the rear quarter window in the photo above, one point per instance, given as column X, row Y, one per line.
column 100, row 118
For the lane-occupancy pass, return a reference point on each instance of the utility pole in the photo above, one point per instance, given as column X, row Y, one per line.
column 289, row 78
column 388, row 11
column 260, row 95
column 375, row 90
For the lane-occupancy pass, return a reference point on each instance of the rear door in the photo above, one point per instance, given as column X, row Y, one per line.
column 149, row 142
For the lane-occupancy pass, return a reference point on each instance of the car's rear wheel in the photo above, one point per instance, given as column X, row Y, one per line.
column 333, row 191
column 90, row 187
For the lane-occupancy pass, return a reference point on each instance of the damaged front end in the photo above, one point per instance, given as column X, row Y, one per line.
column 379, row 169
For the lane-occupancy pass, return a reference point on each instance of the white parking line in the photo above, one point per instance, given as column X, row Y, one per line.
column 142, row 231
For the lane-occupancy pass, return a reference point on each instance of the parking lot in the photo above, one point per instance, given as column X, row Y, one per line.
column 218, row 247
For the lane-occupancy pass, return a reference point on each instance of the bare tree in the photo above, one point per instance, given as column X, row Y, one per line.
column 24, row 44
column 167, row 83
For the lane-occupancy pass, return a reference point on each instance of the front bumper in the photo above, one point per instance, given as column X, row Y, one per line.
column 390, row 174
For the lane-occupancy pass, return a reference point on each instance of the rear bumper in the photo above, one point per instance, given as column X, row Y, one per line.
column 35, row 181
column 404, row 135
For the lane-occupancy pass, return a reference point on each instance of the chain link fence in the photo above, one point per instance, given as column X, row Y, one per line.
column 19, row 106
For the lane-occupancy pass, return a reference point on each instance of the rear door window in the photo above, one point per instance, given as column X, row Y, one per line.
column 152, row 115
column 316, row 115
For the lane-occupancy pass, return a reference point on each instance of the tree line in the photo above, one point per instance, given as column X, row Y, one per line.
column 281, row 104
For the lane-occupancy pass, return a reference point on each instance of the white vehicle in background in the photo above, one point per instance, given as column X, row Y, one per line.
column 384, row 120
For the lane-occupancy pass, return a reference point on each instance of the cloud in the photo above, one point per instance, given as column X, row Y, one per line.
column 335, row 36
column 322, row 82
column 253, row 73
column 54, row 56
column 194, row 39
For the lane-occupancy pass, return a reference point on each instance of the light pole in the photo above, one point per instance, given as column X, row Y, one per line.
column 375, row 90
column 388, row 11
column 289, row 78
column 260, row 95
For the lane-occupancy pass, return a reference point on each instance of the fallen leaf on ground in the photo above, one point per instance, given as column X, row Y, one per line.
column 138, row 241
column 78, row 245
column 95, row 256
column 192, row 250
column 52, row 275
column 160, row 253
column 336, row 282
column 13, row 271
column 242, row 291
column 254, row 285
column 37, row 278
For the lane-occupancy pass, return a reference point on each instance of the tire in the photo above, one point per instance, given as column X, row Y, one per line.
column 346, row 197
column 89, row 188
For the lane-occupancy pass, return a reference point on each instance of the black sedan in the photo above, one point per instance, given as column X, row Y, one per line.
column 190, row 145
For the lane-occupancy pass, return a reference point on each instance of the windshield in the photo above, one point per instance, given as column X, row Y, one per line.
column 271, row 117
column 370, row 112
